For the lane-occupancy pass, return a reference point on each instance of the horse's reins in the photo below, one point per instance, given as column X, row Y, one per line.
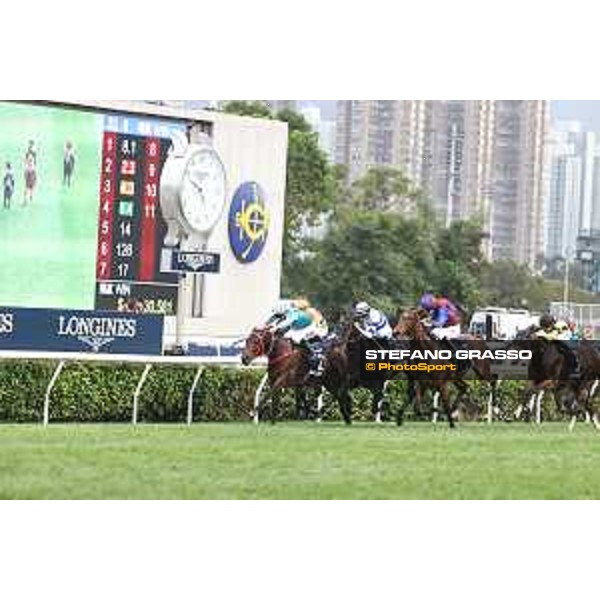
column 267, row 352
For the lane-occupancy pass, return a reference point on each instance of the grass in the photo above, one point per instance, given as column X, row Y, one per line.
column 48, row 253
column 299, row 461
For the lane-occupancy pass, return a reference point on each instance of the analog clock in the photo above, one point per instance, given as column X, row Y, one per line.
column 193, row 191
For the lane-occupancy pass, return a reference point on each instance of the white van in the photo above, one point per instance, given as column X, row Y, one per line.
column 503, row 323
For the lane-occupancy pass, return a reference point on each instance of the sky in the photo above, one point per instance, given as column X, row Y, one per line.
column 586, row 111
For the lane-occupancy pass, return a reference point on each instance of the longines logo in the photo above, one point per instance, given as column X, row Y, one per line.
column 197, row 261
column 7, row 324
column 97, row 332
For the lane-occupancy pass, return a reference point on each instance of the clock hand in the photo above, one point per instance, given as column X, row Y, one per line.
column 198, row 186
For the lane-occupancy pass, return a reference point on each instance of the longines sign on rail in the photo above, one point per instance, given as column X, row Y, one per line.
column 80, row 331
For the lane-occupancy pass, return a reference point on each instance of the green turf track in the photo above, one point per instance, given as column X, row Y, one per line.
column 48, row 248
column 299, row 461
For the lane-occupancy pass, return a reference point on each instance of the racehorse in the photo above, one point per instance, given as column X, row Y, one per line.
column 550, row 370
column 288, row 368
column 411, row 327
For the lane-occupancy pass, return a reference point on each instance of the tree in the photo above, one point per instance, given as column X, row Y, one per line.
column 459, row 260
column 248, row 108
column 511, row 285
column 384, row 188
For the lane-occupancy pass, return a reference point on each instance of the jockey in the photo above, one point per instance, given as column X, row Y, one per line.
column 305, row 326
column 445, row 316
column 555, row 330
column 372, row 323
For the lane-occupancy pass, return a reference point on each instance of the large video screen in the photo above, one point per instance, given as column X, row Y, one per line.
column 80, row 222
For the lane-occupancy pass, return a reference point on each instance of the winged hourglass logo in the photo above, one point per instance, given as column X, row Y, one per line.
column 249, row 222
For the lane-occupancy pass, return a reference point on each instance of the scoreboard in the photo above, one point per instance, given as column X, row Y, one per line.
column 131, row 229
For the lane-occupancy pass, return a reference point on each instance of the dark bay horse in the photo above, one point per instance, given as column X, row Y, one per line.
column 411, row 327
column 288, row 368
column 550, row 370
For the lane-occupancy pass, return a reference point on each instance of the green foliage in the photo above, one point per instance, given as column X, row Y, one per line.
column 509, row 284
column 247, row 108
column 390, row 259
column 383, row 189
column 459, row 260
column 104, row 393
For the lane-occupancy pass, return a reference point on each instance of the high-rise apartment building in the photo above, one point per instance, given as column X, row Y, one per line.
column 485, row 159
column 373, row 133
column 574, row 201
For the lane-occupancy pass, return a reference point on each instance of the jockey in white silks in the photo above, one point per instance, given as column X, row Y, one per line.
column 372, row 323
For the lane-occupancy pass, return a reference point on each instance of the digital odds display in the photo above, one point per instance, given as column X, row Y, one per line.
column 80, row 223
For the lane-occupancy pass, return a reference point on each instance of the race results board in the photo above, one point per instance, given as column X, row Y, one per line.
column 131, row 229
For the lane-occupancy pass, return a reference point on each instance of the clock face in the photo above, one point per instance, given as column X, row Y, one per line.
column 203, row 190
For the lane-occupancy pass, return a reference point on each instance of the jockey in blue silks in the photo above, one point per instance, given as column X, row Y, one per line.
column 305, row 326
column 445, row 316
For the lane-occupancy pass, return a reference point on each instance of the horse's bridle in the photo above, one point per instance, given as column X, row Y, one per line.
column 413, row 329
column 257, row 339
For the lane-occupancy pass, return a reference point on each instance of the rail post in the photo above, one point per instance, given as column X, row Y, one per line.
column 190, row 405
column 136, row 395
column 51, row 385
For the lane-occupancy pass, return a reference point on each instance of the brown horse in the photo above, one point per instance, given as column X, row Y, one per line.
column 288, row 368
column 411, row 326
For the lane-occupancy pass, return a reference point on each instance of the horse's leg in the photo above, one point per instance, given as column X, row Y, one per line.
column 320, row 405
column 444, row 395
column 345, row 402
column 275, row 400
column 493, row 408
column 464, row 396
column 436, row 406
column 410, row 400
column 300, row 398
column 585, row 402
column 538, row 406
column 526, row 397
column 377, row 403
